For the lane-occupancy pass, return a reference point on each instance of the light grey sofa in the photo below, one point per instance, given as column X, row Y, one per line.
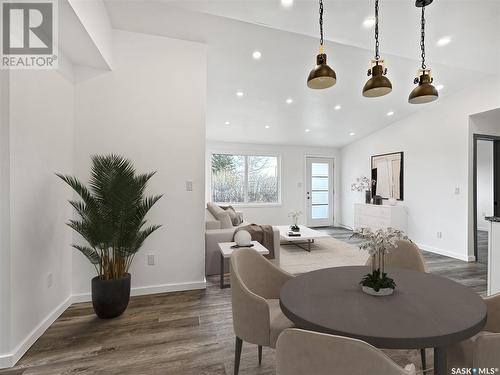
column 214, row 234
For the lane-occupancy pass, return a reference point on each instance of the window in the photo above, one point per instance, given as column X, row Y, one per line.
column 245, row 179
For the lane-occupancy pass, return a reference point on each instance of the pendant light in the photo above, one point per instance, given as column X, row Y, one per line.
column 322, row 76
column 425, row 92
column 378, row 84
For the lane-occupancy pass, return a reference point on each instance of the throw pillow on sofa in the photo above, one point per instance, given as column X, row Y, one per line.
column 221, row 215
column 235, row 218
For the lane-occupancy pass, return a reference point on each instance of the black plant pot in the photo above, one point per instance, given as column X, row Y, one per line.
column 110, row 297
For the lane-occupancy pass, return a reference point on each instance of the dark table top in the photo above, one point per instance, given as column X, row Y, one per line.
column 425, row 310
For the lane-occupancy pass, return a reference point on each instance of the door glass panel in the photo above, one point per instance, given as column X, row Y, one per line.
column 320, row 197
column 319, row 212
column 319, row 183
column 319, row 169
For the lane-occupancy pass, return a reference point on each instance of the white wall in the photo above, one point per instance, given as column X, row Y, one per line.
column 40, row 143
column 151, row 109
column 293, row 183
column 435, row 143
column 484, row 183
column 5, row 292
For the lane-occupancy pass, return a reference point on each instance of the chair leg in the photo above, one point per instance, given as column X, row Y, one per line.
column 260, row 355
column 237, row 355
column 422, row 357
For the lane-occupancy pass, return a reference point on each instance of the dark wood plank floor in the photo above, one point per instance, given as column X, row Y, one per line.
column 175, row 333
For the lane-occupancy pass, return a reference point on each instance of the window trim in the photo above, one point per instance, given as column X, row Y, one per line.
column 248, row 204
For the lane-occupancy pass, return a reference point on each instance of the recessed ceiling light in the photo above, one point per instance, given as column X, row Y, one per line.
column 390, row 113
column 289, row 101
column 307, row 130
column 267, row 126
column 239, row 94
column 286, row 3
column 369, row 22
column 439, row 87
column 256, row 55
column 337, row 107
column 443, row 41
column 227, row 123
column 351, row 134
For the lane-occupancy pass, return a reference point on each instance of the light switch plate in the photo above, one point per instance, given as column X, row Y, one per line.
column 189, row 185
column 457, row 191
column 151, row 260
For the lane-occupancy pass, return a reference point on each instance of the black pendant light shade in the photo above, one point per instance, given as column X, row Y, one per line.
column 322, row 76
column 425, row 92
column 378, row 84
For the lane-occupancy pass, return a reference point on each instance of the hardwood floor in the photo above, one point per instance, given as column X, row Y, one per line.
column 175, row 333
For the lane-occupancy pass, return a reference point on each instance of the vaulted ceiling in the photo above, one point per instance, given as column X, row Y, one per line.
column 287, row 39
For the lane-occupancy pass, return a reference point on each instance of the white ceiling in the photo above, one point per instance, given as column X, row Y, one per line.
column 232, row 31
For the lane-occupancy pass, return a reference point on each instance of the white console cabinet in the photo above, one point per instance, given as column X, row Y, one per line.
column 380, row 217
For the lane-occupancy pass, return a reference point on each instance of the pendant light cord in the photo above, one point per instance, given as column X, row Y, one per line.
column 321, row 21
column 422, row 40
column 377, row 44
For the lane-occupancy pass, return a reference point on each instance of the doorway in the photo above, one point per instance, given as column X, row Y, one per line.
column 319, row 191
column 486, row 190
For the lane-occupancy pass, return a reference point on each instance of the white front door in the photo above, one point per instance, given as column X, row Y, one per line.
column 319, row 191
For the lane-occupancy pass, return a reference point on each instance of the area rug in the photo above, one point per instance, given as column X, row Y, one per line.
column 325, row 253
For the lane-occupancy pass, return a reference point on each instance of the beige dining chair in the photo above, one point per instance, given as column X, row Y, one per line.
column 483, row 349
column 300, row 352
column 255, row 290
column 406, row 255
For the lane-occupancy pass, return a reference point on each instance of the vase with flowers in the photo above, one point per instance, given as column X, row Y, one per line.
column 294, row 215
column 363, row 183
column 378, row 243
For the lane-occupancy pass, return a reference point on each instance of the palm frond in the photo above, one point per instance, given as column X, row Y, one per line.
column 91, row 254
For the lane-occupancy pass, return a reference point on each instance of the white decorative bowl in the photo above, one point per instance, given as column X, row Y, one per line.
column 380, row 293
column 392, row 201
column 243, row 238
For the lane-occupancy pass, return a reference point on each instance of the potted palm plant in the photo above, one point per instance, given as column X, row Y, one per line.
column 112, row 221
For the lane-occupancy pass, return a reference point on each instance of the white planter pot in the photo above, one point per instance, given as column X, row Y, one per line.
column 380, row 293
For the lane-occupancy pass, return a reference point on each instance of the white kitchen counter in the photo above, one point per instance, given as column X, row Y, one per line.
column 494, row 255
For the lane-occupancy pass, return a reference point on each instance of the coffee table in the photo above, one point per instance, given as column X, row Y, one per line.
column 307, row 236
column 226, row 250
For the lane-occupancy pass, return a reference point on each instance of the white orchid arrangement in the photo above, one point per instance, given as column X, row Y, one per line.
column 361, row 184
column 378, row 243
column 295, row 214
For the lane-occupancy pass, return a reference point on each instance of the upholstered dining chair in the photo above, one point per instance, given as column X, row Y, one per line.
column 300, row 352
column 483, row 349
column 406, row 255
column 255, row 290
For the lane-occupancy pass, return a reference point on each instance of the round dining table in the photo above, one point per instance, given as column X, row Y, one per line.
column 425, row 310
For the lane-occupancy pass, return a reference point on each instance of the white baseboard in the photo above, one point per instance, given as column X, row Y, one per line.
column 152, row 289
column 435, row 250
column 344, row 226
column 10, row 359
